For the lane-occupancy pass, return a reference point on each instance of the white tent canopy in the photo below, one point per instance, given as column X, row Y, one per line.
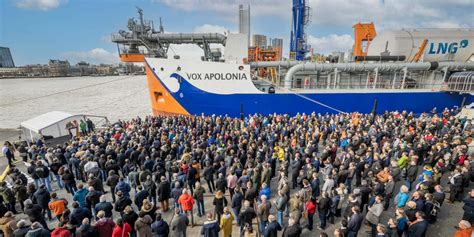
column 51, row 124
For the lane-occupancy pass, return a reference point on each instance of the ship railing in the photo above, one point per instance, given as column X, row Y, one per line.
column 461, row 82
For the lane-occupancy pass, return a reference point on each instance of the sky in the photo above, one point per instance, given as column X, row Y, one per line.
column 76, row 30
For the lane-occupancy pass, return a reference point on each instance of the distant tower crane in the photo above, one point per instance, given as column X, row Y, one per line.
column 301, row 17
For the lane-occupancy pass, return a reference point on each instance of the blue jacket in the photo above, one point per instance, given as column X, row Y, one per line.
column 265, row 191
column 210, row 229
column 80, row 197
column 123, row 187
column 402, row 199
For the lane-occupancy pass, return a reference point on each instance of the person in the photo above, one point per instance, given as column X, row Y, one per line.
column 381, row 231
column 8, row 197
column 281, row 205
column 105, row 206
column 388, row 193
column 121, row 203
column 21, row 193
column 418, row 227
column 186, row 202
column 8, row 152
column 272, row 228
column 43, row 173
column 121, row 229
column 160, row 227
column 263, row 211
column 464, row 229
column 236, row 203
column 163, row 191
column 140, row 196
column 143, row 225
column 35, row 213
column 37, row 230
column 83, row 127
column 225, row 224
column 179, row 224
column 246, row 216
column 198, row 195
column 61, row 230
column 105, row 225
column 8, row 224
column 130, row 216
column 468, row 207
column 112, row 182
column 211, row 227
column 401, row 221
column 78, row 214
column 311, row 210
column 293, row 229
column 57, row 205
column 373, row 214
column 22, row 228
column 219, row 203
column 80, row 195
column 323, row 205
column 456, row 185
column 402, row 197
column 355, row 222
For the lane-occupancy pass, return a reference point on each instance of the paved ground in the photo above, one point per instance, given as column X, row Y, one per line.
column 449, row 216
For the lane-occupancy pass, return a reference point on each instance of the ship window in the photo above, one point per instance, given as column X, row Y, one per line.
column 241, row 68
column 153, row 69
column 162, row 69
column 178, row 69
column 157, row 95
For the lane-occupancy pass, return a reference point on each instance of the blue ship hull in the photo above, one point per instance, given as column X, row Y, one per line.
column 196, row 101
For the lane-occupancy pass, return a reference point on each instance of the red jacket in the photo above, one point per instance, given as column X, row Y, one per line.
column 61, row 232
column 186, row 201
column 123, row 231
column 310, row 207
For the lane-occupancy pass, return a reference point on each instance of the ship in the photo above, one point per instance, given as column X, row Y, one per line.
column 413, row 70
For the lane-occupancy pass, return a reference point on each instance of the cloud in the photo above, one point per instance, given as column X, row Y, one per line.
column 94, row 56
column 207, row 28
column 384, row 13
column 229, row 8
column 331, row 43
column 42, row 5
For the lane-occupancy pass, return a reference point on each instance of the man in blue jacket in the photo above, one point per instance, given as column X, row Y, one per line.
column 211, row 227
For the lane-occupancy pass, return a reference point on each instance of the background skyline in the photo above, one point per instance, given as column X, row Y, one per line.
column 76, row 30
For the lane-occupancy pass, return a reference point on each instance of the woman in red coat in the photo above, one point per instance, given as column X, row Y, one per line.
column 122, row 229
column 311, row 210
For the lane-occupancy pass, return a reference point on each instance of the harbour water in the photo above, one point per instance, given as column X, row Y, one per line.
column 117, row 97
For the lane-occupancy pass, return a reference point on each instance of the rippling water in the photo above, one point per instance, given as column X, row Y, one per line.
column 117, row 97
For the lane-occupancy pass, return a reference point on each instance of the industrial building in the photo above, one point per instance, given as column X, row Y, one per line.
column 277, row 43
column 259, row 41
column 244, row 21
column 6, row 59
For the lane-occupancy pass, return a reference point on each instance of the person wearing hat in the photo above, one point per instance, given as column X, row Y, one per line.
column 22, row 228
column 37, row 230
column 464, row 229
column 35, row 213
column 104, row 225
column 8, row 224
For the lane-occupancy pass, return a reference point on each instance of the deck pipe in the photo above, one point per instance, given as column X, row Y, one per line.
column 345, row 67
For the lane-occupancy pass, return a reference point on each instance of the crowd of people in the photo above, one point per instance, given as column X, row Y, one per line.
column 267, row 175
